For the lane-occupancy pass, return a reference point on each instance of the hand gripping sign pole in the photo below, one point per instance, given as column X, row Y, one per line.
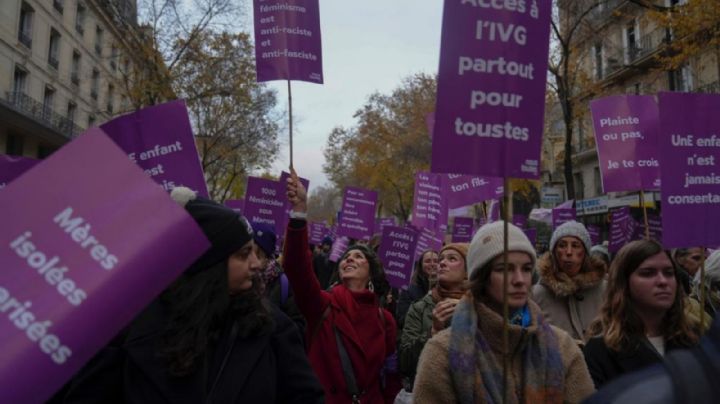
column 290, row 123
column 506, row 308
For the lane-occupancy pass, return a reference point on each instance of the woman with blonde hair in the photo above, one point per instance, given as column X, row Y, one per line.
column 643, row 315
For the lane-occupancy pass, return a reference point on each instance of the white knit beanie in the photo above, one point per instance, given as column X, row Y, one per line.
column 571, row 229
column 488, row 244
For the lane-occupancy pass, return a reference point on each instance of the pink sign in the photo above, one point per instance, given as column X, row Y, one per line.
column 12, row 167
column 358, row 213
column 81, row 256
column 397, row 253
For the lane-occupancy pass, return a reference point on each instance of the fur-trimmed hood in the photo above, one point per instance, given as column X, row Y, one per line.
column 591, row 275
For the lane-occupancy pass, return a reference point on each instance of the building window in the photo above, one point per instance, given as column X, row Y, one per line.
column 113, row 57
column 54, row 48
column 98, row 40
column 598, row 61
column 75, row 68
column 45, row 151
column 94, row 85
column 71, row 109
column 579, row 186
column 19, row 81
column 14, row 145
column 632, row 41
column 48, row 99
column 58, row 4
column 110, row 96
column 598, row 181
column 680, row 79
column 80, row 18
column 91, row 120
column 25, row 27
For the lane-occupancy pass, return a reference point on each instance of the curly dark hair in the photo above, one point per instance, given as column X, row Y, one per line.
column 199, row 307
column 377, row 273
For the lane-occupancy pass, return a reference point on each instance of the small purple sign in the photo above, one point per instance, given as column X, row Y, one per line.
column 81, row 256
column 358, row 213
column 428, row 239
column 493, row 211
column 491, row 88
column 622, row 228
column 689, row 144
column 384, row 221
column 520, row 221
column 318, row 231
column 429, row 208
column 12, row 167
column 594, row 232
column 463, row 190
column 462, row 229
column 626, row 134
column 238, row 205
column 397, row 253
column 531, row 234
column 338, row 248
column 265, row 203
column 562, row 215
column 160, row 140
column 287, row 40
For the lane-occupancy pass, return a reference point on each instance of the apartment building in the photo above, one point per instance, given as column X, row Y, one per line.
column 63, row 65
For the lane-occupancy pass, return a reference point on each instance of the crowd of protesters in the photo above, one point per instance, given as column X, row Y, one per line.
column 243, row 324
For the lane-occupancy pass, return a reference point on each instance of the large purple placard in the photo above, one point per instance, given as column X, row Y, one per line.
column 463, row 190
column 265, row 203
column 690, row 154
column 491, row 88
column 626, row 134
column 462, row 229
column 562, row 215
column 358, row 213
column 160, row 140
column 318, row 231
column 287, row 40
column 382, row 222
column 429, row 205
column 81, row 256
column 397, row 253
column 428, row 239
column 12, row 167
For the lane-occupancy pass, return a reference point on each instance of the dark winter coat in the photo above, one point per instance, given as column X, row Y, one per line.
column 418, row 288
column 368, row 338
column 271, row 368
column 417, row 331
column 606, row 364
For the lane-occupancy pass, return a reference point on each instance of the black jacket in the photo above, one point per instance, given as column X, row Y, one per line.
column 606, row 364
column 272, row 368
column 416, row 291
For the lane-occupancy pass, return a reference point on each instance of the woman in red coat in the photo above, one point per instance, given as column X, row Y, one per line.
column 350, row 313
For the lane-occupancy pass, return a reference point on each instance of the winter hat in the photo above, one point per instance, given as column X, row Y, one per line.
column 571, row 229
column 600, row 249
column 461, row 248
column 226, row 230
column 488, row 244
column 265, row 238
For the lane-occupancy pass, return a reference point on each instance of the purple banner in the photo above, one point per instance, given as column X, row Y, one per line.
column 160, row 140
column 318, row 231
column 520, row 221
column 626, row 134
column 428, row 239
column 358, row 213
column 382, row 222
column 287, row 40
column 491, row 88
column 265, row 203
column 462, row 229
column 622, row 229
column 689, row 125
column 397, row 253
column 493, row 211
column 338, row 248
column 429, row 205
column 562, row 215
column 531, row 234
column 82, row 254
column 238, row 205
column 594, row 232
column 463, row 190
column 12, row 167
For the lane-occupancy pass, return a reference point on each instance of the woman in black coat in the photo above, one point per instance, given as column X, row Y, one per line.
column 208, row 338
column 425, row 270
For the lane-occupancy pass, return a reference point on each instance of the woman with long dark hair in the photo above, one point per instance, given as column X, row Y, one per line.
column 424, row 272
column 351, row 339
column 643, row 315
column 209, row 337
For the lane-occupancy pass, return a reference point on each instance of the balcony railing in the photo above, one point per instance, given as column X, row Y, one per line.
column 648, row 44
column 25, row 39
column 712, row 88
column 31, row 108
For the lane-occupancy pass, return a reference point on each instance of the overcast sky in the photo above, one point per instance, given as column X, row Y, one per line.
column 368, row 46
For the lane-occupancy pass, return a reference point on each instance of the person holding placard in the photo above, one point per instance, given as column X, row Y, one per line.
column 425, row 269
column 210, row 337
column 464, row 363
column 571, row 282
column 433, row 313
column 351, row 339
column 643, row 314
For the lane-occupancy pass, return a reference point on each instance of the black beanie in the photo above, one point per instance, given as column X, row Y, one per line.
column 226, row 230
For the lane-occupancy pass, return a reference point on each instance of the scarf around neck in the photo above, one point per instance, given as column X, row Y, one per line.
column 476, row 373
column 439, row 293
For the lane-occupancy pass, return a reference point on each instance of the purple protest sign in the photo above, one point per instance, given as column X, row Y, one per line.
column 622, row 228
column 462, row 229
column 562, row 215
column 594, row 232
column 493, row 211
column 491, row 88
column 531, row 234
column 429, row 208
column 160, row 140
column 287, row 40
column 463, row 190
column 397, row 253
column 338, row 248
column 82, row 255
column 265, row 203
column 12, row 167
column 428, row 239
column 520, row 221
column 689, row 144
column 358, row 213
column 238, row 205
column 318, row 231
column 626, row 134
column 384, row 221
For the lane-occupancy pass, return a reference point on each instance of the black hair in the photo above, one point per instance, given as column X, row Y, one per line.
column 377, row 273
